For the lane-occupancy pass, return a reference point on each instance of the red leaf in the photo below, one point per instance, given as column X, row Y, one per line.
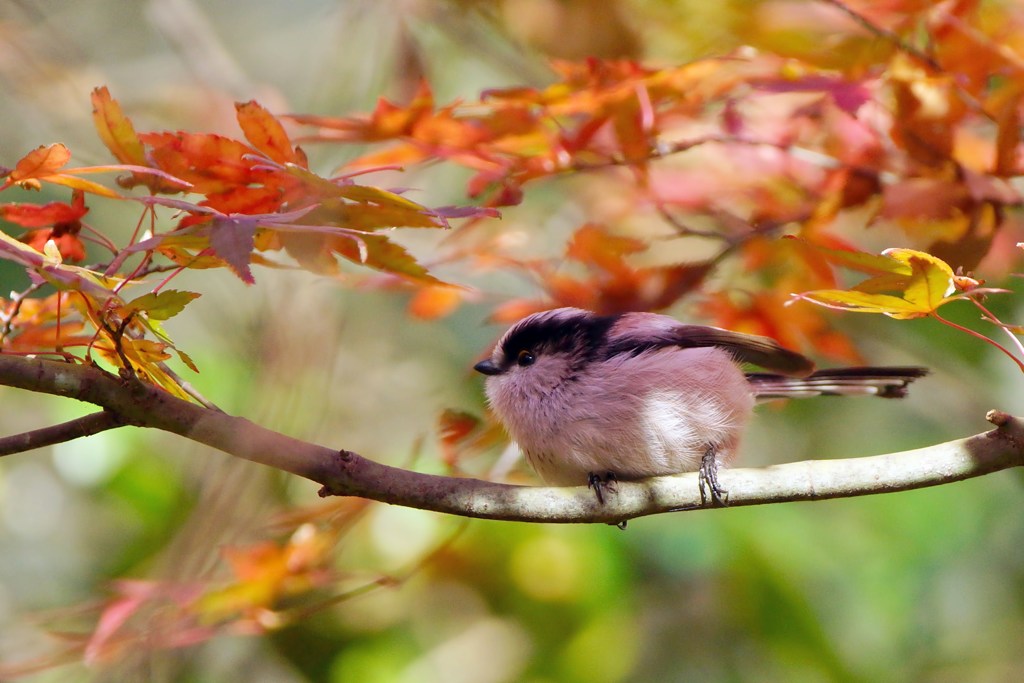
column 42, row 215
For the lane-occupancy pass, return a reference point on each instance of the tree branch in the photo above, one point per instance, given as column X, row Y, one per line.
column 87, row 425
column 348, row 474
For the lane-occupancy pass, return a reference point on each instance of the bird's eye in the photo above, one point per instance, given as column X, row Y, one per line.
column 525, row 358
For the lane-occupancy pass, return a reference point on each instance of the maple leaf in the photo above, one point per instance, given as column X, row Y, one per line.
column 46, row 164
column 209, row 162
column 928, row 108
column 158, row 305
column 380, row 253
column 266, row 572
column 265, row 133
column 117, row 132
column 232, row 238
column 63, row 220
column 612, row 284
column 42, row 325
column 387, row 121
column 43, row 161
column 115, row 129
column 905, row 284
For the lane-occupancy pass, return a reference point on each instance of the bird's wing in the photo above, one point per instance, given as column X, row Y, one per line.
column 764, row 352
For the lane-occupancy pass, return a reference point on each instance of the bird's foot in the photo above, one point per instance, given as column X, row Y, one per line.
column 708, row 479
column 601, row 484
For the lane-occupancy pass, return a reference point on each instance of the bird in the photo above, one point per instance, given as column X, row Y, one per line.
column 593, row 399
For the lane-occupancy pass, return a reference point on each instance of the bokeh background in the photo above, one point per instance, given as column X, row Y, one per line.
column 919, row 586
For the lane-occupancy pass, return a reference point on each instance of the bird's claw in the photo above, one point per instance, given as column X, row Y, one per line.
column 708, row 480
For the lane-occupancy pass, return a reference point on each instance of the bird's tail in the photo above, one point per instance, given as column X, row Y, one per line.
column 890, row 382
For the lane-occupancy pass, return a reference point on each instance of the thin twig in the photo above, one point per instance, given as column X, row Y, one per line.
column 883, row 33
column 17, row 299
column 86, row 425
column 989, row 316
column 979, row 335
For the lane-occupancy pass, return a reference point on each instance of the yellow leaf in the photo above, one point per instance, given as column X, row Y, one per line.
column 931, row 280
column 909, row 284
column 160, row 305
column 77, row 183
column 862, row 302
column 145, row 351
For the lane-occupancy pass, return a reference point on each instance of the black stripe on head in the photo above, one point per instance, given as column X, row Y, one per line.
column 575, row 332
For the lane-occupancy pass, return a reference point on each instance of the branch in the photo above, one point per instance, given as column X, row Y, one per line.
column 86, row 425
column 347, row 474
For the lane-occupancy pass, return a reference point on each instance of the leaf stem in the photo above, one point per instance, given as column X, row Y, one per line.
column 999, row 323
column 979, row 335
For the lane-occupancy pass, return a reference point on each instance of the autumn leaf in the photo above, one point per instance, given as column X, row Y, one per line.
column 115, row 129
column 42, row 215
column 210, row 162
column 145, row 351
column 611, row 284
column 265, row 573
column 380, row 253
column 388, row 120
column 265, row 133
column 908, row 284
column 159, row 305
column 63, row 220
column 433, row 302
column 928, row 109
column 464, row 435
column 232, row 239
column 40, row 162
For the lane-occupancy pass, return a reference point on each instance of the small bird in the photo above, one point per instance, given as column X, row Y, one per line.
column 591, row 399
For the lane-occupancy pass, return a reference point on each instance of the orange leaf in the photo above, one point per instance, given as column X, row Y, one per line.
column 212, row 163
column 115, row 129
column 465, row 435
column 431, row 303
column 593, row 245
column 41, row 162
column 928, row 108
column 265, row 132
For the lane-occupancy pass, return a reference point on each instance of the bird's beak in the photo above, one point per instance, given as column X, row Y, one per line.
column 487, row 367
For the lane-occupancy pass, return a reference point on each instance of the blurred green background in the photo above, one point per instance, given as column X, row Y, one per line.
column 919, row 586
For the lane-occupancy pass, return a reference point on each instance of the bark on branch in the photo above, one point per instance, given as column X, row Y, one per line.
column 130, row 402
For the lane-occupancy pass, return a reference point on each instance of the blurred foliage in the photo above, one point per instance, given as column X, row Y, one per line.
column 922, row 586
